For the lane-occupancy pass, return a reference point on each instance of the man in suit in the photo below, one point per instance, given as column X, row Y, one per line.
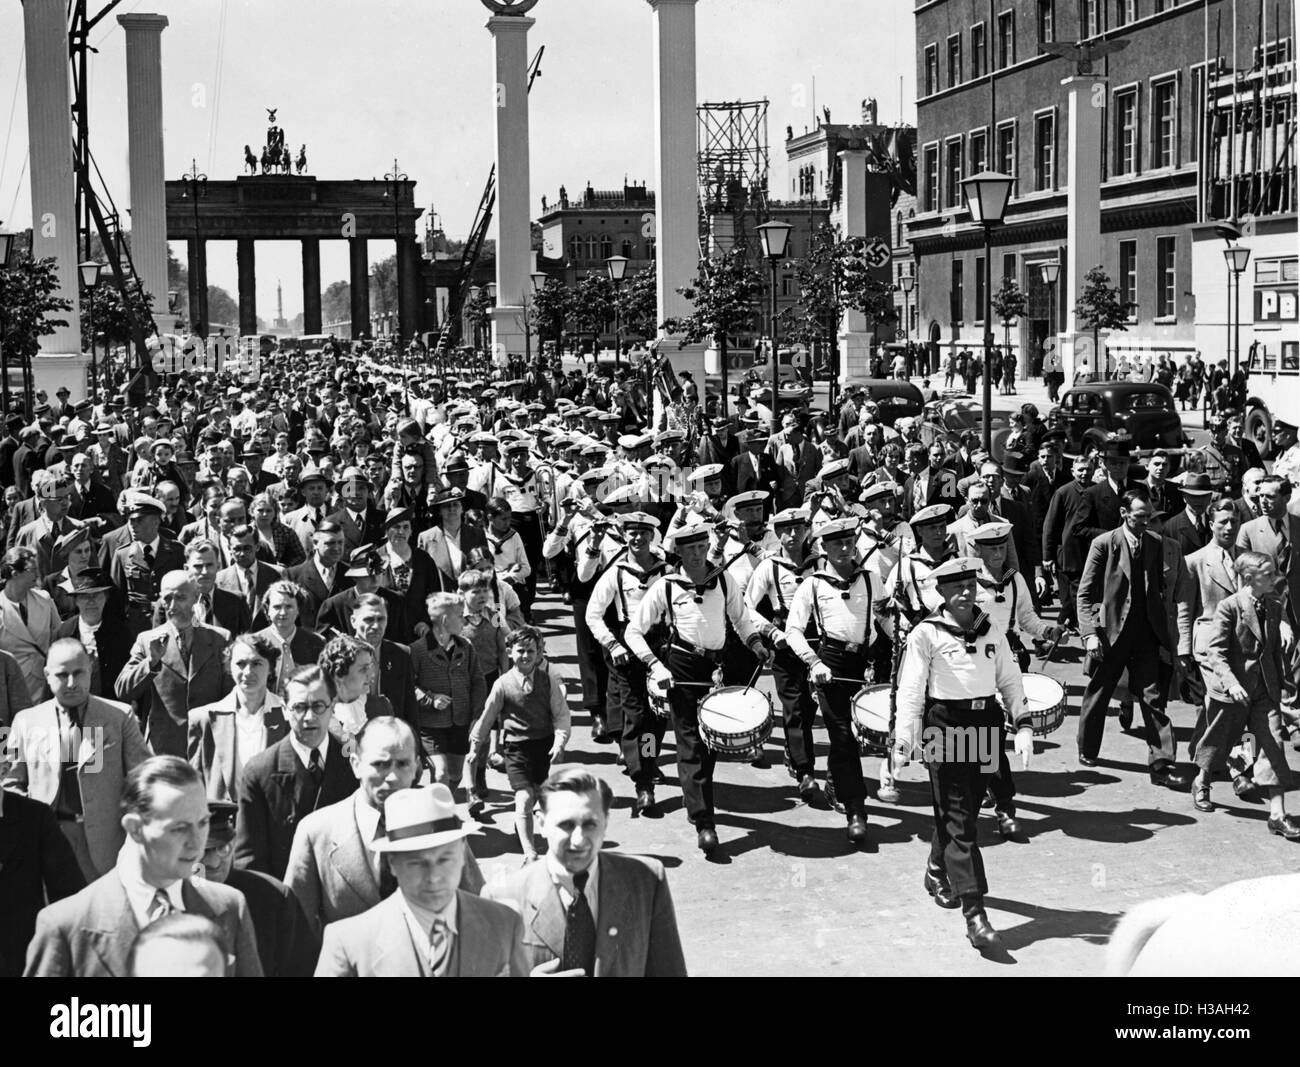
column 53, row 493
column 73, row 752
column 720, row 447
column 1132, row 581
column 8, row 446
column 930, row 481
column 1100, row 512
column 1276, row 533
column 1165, row 495
column 459, row 934
column 165, row 820
column 36, row 864
column 102, row 632
column 214, row 607
column 362, row 523
column 286, row 943
column 332, row 870
column 247, row 577
column 1190, row 527
column 366, row 569
column 1063, row 556
column 1243, row 682
column 1046, row 475
column 1214, row 578
column 752, row 470
column 137, row 568
column 394, row 675
column 588, row 912
column 91, row 500
column 173, row 667
column 108, row 457
column 797, row 461
column 301, row 773
column 321, row 576
column 1248, row 503
column 314, row 487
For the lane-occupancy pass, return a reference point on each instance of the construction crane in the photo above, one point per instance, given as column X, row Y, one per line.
column 469, row 255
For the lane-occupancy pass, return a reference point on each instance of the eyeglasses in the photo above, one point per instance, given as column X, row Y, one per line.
column 223, row 850
column 316, row 707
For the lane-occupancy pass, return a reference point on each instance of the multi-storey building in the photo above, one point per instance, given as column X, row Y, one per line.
column 990, row 97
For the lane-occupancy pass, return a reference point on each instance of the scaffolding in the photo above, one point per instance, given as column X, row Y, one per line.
column 732, row 168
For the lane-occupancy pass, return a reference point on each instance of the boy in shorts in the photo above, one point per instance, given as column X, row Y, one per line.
column 534, row 711
column 484, row 629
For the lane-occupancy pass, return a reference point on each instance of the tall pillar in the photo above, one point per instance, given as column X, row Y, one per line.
column 145, row 152
column 1082, row 216
column 514, row 227
column 53, row 181
column 198, row 274
column 311, row 285
column 409, row 291
column 854, row 334
column 247, row 266
column 677, row 240
column 359, row 284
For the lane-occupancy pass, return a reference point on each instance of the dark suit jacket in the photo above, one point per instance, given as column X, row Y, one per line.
column 336, row 613
column 89, row 934
column 286, row 943
column 97, row 501
column 1104, row 596
column 743, row 479
column 1061, row 545
column 941, row 489
column 1041, row 487
column 636, row 929
column 710, row 451
column 166, row 697
column 1258, row 535
column 275, row 794
column 1167, row 497
column 264, row 576
column 1100, row 511
column 1182, row 530
column 36, row 862
column 307, row 576
column 370, row 532
column 112, row 650
column 397, row 679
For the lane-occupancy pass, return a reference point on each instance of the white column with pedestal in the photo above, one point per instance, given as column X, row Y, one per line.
column 855, row 335
column 1086, row 95
column 677, row 240
column 145, row 153
column 53, row 184
column 514, row 229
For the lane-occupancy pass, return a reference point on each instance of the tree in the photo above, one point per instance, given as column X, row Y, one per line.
column 336, row 302
column 222, row 309
column 638, row 304
column 724, row 296
column 549, row 310
column 1100, row 308
column 385, row 275
column 592, row 306
column 29, row 303
column 476, row 311
column 114, row 317
column 1009, row 303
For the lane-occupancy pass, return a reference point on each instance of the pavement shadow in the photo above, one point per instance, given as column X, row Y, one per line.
column 1051, row 924
column 1107, row 827
column 1070, row 784
column 801, row 842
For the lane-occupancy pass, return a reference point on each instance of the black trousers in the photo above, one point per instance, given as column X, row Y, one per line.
column 1067, row 588
column 798, row 710
column 844, row 764
column 528, row 525
column 592, row 668
column 628, row 717
column 958, row 782
column 1003, row 786
column 695, row 760
column 1138, row 649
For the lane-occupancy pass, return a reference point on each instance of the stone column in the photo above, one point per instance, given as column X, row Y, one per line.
column 854, row 332
column 677, row 243
column 1084, row 146
column 53, row 183
column 311, row 285
column 409, row 293
column 359, row 283
column 246, row 263
column 514, row 229
column 198, row 273
column 145, row 151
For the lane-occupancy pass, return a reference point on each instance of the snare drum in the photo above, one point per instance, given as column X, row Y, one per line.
column 735, row 722
column 1045, row 699
column 871, row 720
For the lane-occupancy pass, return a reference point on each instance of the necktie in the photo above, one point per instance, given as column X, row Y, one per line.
column 387, row 883
column 183, row 645
column 22, row 610
column 579, row 930
column 207, row 606
column 160, row 906
column 148, row 556
column 315, row 768
column 439, row 948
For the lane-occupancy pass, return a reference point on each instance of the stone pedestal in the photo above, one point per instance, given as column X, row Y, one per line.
column 510, row 120
column 145, row 151
column 1084, row 146
column 52, row 372
column 508, row 332
column 53, row 180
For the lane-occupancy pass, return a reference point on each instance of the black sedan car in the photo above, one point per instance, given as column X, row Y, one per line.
column 1089, row 412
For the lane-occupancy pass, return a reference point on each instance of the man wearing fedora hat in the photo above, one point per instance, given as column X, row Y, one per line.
column 108, row 646
column 1190, row 526
column 361, row 520
column 54, row 494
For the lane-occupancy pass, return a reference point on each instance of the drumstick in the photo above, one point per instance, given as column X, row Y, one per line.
column 838, row 678
column 753, row 677
column 1052, row 651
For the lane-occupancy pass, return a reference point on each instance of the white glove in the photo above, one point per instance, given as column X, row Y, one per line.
column 1024, row 745
column 1092, row 643
column 820, row 673
column 661, row 677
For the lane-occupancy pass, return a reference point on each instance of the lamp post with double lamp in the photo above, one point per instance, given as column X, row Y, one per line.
column 1236, row 257
column 907, row 282
column 539, row 282
column 986, row 197
column 775, row 235
column 395, row 177
column 196, row 187
column 617, row 267
column 90, row 279
column 1051, row 270
column 6, row 251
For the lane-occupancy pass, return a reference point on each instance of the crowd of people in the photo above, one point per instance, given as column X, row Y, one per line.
column 269, row 649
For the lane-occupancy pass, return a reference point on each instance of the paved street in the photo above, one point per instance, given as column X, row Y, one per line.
column 787, row 895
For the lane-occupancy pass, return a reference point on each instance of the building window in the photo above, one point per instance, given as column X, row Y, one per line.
column 1128, row 254
column 954, row 60
column 606, row 247
column 785, row 285
column 979, row 289
column 979, row 51
column 932, row 177
column 1006, row 148
column 1125, row 12
column 957, row 298
column 625, row 250
column 1164, row 118
column 1166, row 259
column 1126, row 132
column 979, row 148
column 593, row 247
column 931, row 69
column 952, row 174
column 1008, row 266
column 1044, row 151
column 1046, row 21
column 1006, row 39
column 575, row 248
column 1091, row 18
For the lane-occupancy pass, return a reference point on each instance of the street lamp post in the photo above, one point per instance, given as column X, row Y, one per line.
column 6, row 250
column 539, row 280
column 908, row 283
column 986, row 197
column 775, row 235
column 196, row 187
column 491, row 290
column 1051, row 270
column 474, row 293
column 395, row 176
column 1236, row 257
column 90, row 279
column 617, row 267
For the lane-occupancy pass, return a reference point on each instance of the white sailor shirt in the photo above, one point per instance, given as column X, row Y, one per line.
column 702, row 624
column 624, row 585
column 843, row 610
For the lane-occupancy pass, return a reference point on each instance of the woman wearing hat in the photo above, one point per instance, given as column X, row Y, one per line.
column 96, row 620
column 28, row 617
column 410, row 572
column 76, row 549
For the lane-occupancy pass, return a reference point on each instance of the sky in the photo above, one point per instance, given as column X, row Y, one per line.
column 364, row 82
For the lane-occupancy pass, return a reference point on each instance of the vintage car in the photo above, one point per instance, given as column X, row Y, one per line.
column 1145, row 411
column 894, row 399
column 948, row 418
